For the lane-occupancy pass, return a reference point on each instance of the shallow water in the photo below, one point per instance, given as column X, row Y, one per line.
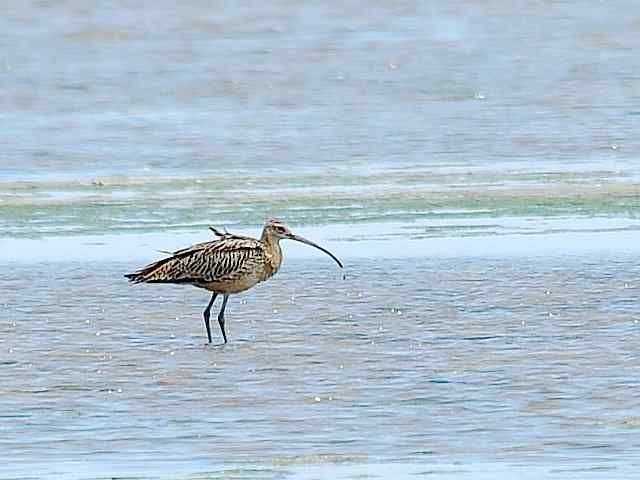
column 412, row 360
column 475, row 164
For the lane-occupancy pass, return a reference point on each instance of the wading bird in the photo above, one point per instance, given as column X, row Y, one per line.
column 230, row 264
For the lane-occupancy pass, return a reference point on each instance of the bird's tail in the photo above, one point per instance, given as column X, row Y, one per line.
column 154, row 272
column 135, row 277
column 172, row 269
column 142, row 275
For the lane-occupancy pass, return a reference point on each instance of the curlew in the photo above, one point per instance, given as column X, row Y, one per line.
column 230, row 264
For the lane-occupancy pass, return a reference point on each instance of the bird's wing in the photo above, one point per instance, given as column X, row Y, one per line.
column 205, row 262
column 230, row 258
column 221, row 237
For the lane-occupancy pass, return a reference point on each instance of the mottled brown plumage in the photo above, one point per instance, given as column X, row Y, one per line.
column 230, row 264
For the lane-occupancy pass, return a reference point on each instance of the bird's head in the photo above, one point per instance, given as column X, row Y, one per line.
column 276, row 230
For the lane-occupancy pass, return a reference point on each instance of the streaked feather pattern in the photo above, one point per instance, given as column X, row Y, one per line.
column 205, row 264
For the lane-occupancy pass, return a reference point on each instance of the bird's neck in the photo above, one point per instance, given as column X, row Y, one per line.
column 274, row 254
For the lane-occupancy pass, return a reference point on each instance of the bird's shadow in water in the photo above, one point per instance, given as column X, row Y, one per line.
column 198, row 344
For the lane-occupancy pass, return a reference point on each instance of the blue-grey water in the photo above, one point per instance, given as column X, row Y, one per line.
column 475, row 165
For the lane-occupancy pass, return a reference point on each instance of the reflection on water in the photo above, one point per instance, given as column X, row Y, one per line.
column 424, row 360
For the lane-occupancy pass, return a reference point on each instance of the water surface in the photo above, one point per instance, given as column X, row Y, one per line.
column 413, row 361
column 475, row 165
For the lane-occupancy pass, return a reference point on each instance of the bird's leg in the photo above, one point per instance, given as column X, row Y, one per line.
column 221, row 316
column 207, row 314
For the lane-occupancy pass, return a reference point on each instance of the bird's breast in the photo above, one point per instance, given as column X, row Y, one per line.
column 273, row 260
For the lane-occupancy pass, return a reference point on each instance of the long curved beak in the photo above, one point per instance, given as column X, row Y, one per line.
column 298, row 238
